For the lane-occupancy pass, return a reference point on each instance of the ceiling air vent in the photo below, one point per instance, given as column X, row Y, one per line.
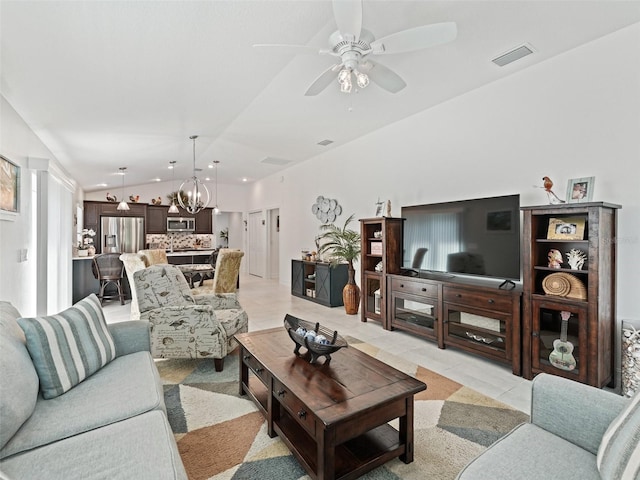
column 324, row 143
column 275, row 161
column 513, row 55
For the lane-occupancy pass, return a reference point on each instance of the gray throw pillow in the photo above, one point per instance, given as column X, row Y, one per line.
column 619, row 452
column 68, row 347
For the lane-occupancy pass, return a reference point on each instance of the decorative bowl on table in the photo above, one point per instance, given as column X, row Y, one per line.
column 318, row 340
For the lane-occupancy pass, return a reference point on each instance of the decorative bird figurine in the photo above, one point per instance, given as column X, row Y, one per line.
column 553, row 198
column 134, row 198
column 111, row 198
column 156, row 201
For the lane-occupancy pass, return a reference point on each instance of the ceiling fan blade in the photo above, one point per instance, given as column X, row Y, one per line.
column 348, row 14
column 283, row 48
column 323, row 81
column 384, row 77
column 416, row 38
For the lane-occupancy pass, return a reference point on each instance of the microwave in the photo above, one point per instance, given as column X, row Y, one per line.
column 179, row 224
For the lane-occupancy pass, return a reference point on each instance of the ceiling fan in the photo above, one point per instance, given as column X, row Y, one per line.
column 355, row 46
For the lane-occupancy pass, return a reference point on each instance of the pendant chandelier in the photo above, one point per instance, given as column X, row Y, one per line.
column 216, row 210
column 173, row 208
column 123, row 205
column 197, row 195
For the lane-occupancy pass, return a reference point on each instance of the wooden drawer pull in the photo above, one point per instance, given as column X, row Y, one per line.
column 424, row 289
column 459, row 295
column 491, row 300
column 302, row 414
column 281, row 393
column 259, row 370
column 246, row 357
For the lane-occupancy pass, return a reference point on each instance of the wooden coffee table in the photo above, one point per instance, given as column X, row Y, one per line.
column 332, row 416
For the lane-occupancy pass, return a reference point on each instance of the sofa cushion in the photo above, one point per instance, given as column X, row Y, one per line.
column 161, row 285
column 68, row 347
column 619, row 452
column 142, row 447
column 17, row 375
column 126, row 387
column 530, row 452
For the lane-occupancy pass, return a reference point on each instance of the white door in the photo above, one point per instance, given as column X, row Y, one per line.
column 256, row 235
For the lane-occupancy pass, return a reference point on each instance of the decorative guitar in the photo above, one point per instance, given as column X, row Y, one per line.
column 562, row 355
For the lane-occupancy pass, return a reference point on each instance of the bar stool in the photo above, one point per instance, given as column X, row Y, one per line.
column 108, row 268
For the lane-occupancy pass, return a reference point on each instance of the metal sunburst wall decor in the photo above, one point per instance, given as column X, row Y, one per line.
column 326, row 209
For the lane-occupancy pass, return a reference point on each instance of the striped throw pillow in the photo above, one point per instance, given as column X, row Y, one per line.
column 619, row 452
column 68, row 347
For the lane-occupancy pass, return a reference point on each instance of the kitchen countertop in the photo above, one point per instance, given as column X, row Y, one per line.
column 187, row 253
column 178, row 253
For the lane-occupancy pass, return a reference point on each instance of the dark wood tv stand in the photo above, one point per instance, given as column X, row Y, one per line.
column 473, row 315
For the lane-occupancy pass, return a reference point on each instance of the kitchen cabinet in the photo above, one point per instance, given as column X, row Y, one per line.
column 157, row 219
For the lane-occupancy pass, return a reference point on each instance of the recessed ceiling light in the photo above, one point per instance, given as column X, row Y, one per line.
column 244, row 179
column 207, row 179
column 211, row 165
column 101, row 185
column 157, row 179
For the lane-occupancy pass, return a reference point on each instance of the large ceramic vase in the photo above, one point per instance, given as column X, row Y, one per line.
column 351, row 294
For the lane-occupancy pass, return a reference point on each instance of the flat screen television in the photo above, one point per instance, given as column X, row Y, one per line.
column 479, row 237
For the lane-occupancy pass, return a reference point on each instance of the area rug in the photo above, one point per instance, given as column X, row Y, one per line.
column 222, row 436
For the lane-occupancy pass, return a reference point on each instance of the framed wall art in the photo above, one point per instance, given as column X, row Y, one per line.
column 580, row 190
column 9, row 188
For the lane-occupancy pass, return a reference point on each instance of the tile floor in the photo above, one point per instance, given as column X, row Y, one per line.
column 267, row 301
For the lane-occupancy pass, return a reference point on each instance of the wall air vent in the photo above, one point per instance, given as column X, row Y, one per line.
column 513, row 55
column 275, row 161
column 324, row 143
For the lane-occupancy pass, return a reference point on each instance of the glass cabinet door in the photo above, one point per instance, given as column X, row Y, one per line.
column 559, row 339
column 415, row 313
column 477, row 329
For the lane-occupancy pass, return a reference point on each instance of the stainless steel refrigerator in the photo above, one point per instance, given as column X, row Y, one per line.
column 122, row 234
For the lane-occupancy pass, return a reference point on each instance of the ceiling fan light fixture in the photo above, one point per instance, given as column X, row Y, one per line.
column 344, row 75
column 362, row 79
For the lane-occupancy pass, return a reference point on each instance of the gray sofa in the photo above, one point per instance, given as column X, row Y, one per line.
column 111, row 425
column 563, row 439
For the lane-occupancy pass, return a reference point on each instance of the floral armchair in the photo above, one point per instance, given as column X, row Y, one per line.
column 184, row 325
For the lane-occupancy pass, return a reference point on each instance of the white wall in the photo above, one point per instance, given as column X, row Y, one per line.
column 575, row 115
column 22, row 281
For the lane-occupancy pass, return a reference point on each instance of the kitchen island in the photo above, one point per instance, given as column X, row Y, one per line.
column 84, row 283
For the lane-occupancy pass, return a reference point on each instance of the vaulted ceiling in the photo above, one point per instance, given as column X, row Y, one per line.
column 106, row 84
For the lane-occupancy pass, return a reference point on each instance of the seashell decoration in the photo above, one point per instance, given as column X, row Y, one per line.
column 630, row 360
column 576, row 259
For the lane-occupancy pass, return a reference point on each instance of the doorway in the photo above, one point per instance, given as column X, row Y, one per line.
column 256, row 240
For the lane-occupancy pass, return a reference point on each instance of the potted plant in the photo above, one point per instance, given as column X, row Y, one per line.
column 343, row 245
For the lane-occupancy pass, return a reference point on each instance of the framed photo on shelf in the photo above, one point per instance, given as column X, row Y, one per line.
column 567, row 228
column 580, row 190
column 10, row 191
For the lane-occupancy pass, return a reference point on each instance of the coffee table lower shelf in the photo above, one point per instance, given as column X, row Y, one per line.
column 352, row 458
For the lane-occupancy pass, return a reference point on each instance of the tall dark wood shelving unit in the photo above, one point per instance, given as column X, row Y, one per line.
column 591, row 320
column 385, row 247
